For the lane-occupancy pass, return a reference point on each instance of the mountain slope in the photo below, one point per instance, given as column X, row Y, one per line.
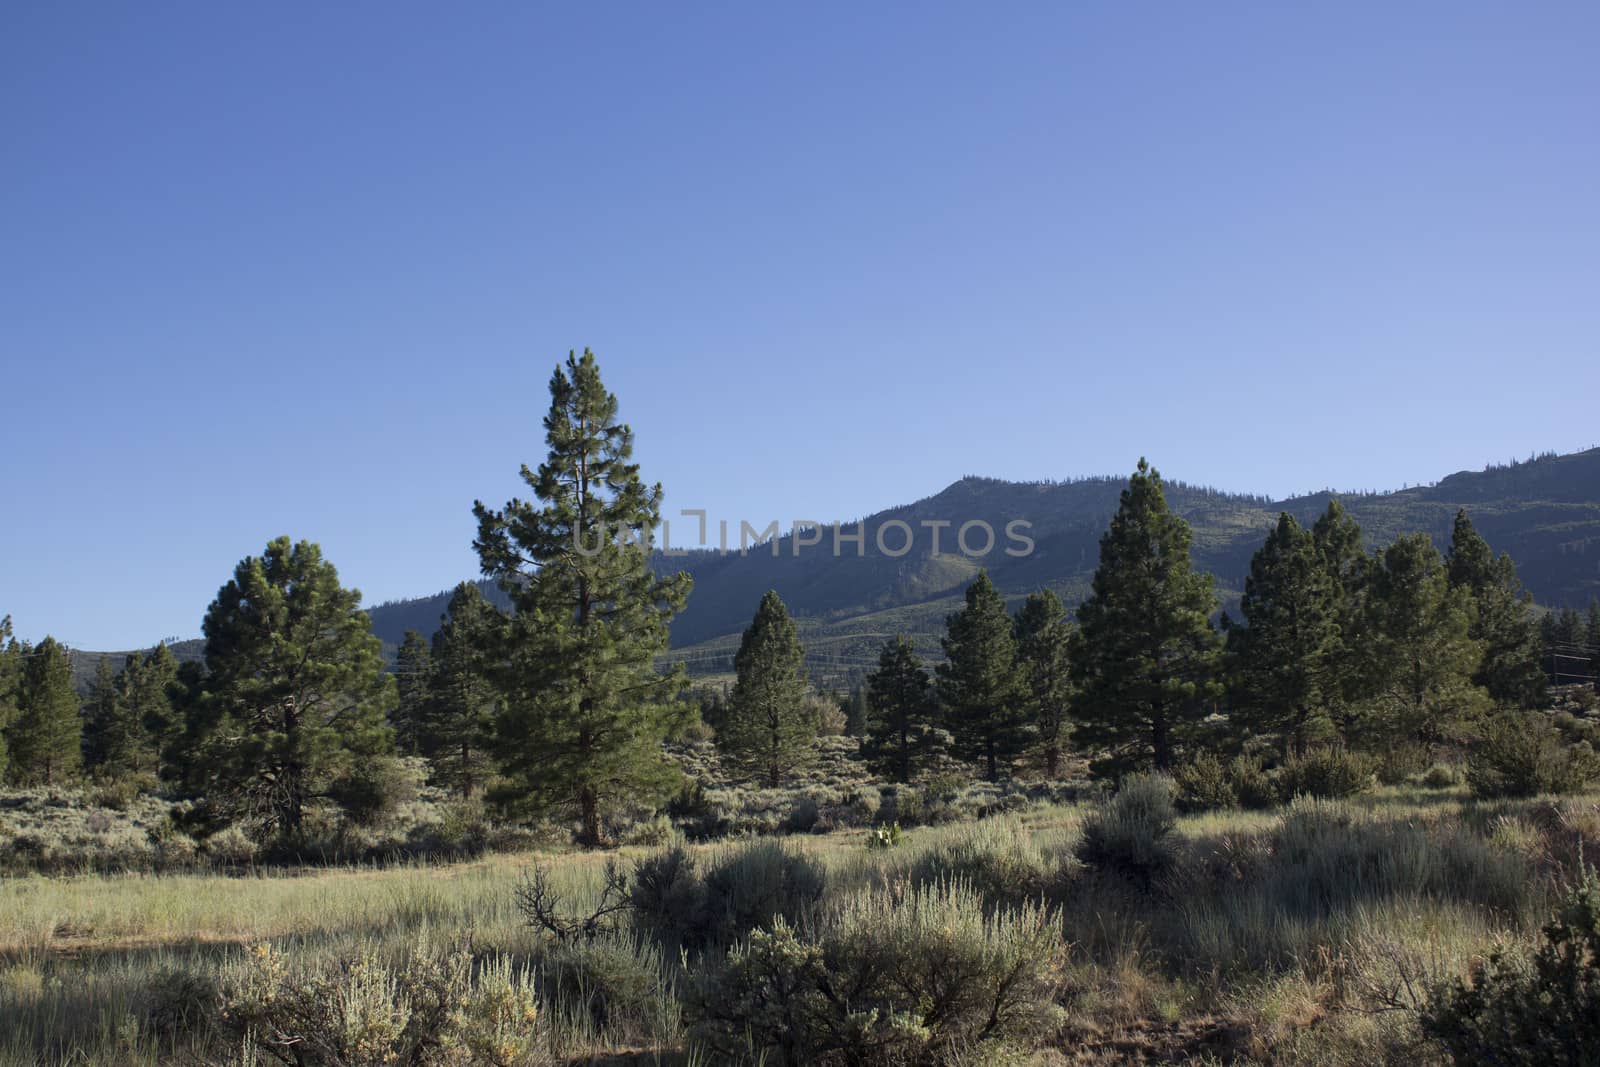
column 1545, row 512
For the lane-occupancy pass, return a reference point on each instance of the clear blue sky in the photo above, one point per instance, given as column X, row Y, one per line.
column 305, row 269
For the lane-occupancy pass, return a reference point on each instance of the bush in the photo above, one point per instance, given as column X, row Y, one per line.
column 176, row 1003
column 428, row 1010
column 376, row 787
column 755, row 884
column 925, row 979
column 749, row 887
column 1543, row 1011
column 614, row 980
column 1400, row 764
column 996, row 859
column 1251, row 784
column 1131, row 834
column 1326, row 856
column 884, row 837
column 1522, row 754
column 1203, row 785
column 1440, row 776
column 1329, row 773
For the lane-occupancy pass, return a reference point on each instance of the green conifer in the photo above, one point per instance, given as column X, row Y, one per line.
column 980, row 683
column 1510, row 671
column 902, row 738
column 46, row 735
column 1283, row 661
column 1044, row 640
column 1145, row 655
column 769, row 730
column 584, row 709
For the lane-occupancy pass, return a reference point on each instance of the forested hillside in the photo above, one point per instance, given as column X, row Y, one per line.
column 1545, row 512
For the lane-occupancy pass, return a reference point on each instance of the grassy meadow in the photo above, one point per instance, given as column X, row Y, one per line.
column 1309, row 934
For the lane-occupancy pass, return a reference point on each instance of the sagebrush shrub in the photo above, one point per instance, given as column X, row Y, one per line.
column 748, row 887
column 1439, row 776
column 428, row 1011
column 1252, row 784
column 1544, row 1010
column 927, row 979
column 996, row 858
column 1131, row 833
column 1523, row 754
column 754, row 884
column 1326, row 772
column 1203, row 785
column 615, row 980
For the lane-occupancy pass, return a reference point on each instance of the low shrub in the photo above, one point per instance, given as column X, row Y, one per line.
column 1252, row 784
column 930, row 978
column 613, row 980
column 1131, row 834
column 750, row 886
column 1522, row 754
column 430, row 1009
column 754, row 884
column 996, row 859
column 1401, row 763
column 1542, row 1010
column 1326, row 855
column 885, row 836
column 1326, row 772
column 1440, row 776
column 1203, row 785
column 175, row 1003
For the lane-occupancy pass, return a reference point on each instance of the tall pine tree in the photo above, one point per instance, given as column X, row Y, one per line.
column 458, row 723
column 1145, row 654
column 1510, row 670
column 102, row 719
column 1282, row 662
column 413, row 676
column 1340, row 547
column 980, row 684
column 1044, row 637
column 147, row 695
column 902, row 737
column 584, row 708
column 1422, row 651
column 11, row 661
column 294, row 702
column 768, row 729
column 46, row 735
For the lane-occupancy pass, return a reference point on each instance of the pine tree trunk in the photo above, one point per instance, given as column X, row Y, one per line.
column 1161, row 745
column 591, row 816
column 1052, row 761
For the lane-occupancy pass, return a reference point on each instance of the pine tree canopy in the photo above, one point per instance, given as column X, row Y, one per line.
column 584, row 709
column 769, row 730
column 11, row 660
column 902, row 738
column 1044, row 639
column 980, row 684
column 1422, row 652
column 294, row 702
column 1283, row 661
column 45, row 736
column 1145, row 654
column 459, row 710
column 413, row 674
column 1510, row 670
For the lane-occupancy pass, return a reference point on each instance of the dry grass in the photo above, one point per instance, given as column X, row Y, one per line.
column 1209, row 968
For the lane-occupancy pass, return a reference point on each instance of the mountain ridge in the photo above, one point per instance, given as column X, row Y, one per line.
column 1545, row 511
